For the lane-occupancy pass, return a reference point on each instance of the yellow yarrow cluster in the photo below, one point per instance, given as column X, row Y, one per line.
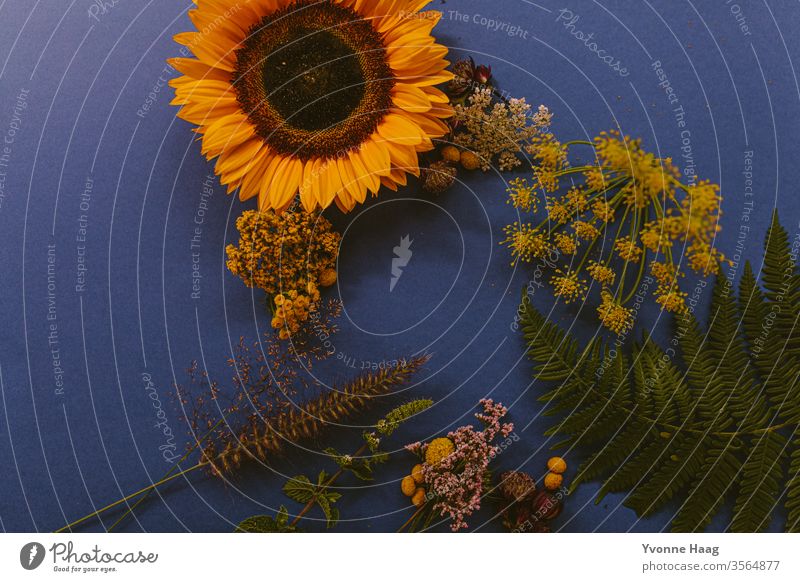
column 293, row 309
column 284, row 251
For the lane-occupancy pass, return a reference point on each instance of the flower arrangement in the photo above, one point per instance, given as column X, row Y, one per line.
column 454, row 476
column 630, row 194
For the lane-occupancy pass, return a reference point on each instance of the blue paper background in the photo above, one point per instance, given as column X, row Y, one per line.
column 84, row 79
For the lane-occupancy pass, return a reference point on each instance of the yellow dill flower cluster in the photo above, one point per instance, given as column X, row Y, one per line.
column 602, row 210
column 568, row 286
column 614, row 316
column 525, row 242
column 565, row 243
column 546, row 180
column 671, row 299
column 596, row 180
column 627, row 249
column 634, row 198
column 522, row 196
column 585, row 230
column 577, row 201
column 666, row 274
column 601, row 273
column 284, row 251
column 558, row 212
column 293, row 309
column 648, row 177
column 547, row 152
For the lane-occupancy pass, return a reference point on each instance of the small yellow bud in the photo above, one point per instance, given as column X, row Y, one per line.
column 451, row 154
column 557, row 465
column 470, row 161
column 553, row 481
column 327, row 277
column 408, row 486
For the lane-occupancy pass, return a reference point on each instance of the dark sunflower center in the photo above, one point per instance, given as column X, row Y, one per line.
column 314, row 80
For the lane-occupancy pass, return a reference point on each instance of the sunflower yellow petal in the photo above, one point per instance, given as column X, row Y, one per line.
column 399, row 129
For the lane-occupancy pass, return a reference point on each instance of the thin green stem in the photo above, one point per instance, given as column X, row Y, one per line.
column 168, row 473
column 414, row 515
column 573, row 170
column 614, row 202
column 642, row 263
column 147, row 489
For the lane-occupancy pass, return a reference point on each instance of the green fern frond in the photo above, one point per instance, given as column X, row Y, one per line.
column 793, row 490
column 711, row 420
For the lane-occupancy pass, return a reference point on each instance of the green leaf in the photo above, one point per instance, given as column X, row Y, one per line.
column 267, row 524
column 325, row 502
column 760, row 484
column 392, row 421
column 707, row 494
column 299, row 489
column 793, row 490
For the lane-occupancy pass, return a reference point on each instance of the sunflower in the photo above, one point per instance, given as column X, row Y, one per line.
column 327, row 99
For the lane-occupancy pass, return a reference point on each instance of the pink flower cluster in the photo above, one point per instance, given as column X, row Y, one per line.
column 457, row 482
